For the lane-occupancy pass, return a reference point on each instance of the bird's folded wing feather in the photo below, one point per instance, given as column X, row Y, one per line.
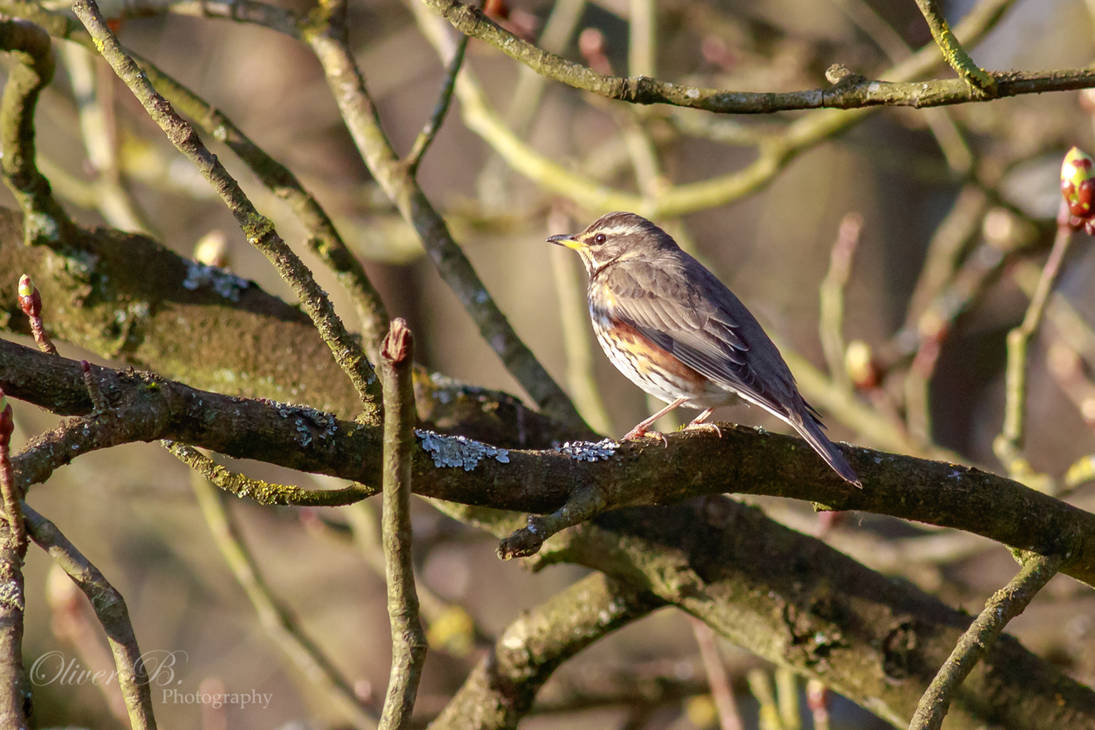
column 713, row 334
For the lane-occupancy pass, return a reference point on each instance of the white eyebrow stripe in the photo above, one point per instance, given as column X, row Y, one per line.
column 617, row 229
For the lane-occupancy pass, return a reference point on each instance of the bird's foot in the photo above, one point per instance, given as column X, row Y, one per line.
column 712, row 426
column 639, row 432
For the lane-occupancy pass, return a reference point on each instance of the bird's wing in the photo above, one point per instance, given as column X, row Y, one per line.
column 701, row 323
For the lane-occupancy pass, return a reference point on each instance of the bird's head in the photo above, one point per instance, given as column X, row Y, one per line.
column 614, row 237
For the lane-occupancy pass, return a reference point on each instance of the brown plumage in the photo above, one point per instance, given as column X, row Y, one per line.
column 677, row 332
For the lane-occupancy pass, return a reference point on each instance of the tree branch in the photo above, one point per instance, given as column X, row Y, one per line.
column 259, row 230
column 408, row 639
column 743, row 460
column 802, row 604
column 955, row 55
column 327, row 39
column 501, row 688
column 110, row 609
column 644, row 90
column 1005, row 604
column 283, row 630
column 14, row 688
column 46, row 221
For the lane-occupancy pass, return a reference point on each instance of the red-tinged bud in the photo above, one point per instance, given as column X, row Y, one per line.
column 496, row 9
column 30, row 301
column 7, row 420
column 860, row 365
column 1077, row 185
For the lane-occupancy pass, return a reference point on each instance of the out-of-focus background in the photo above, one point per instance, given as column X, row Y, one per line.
column 900, row 173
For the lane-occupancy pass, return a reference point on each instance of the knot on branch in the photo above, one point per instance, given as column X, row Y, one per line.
column 639, row 90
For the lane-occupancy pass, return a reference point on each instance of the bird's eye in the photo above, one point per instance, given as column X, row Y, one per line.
column 599, row 238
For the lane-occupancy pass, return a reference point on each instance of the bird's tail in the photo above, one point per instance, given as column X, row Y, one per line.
column 811, row 430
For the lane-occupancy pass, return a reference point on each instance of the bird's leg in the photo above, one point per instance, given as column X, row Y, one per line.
column 700, row 422
column 640, row 430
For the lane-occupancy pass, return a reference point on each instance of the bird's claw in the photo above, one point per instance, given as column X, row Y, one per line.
column 715, row 426
column 637, row 433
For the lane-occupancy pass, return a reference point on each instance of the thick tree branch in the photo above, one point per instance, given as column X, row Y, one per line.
column 167, row 300
column 323, row 239
column 540, row 481
column 799, row 603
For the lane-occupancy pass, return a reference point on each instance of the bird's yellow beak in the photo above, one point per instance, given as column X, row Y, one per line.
column 565, row 239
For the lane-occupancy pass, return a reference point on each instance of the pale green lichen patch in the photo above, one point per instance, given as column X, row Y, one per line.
column 458, row 451
column 446, row 389
column 11, row 596
column 589, row 450
column 309, row 423
column 41, row 227
column 227, row 285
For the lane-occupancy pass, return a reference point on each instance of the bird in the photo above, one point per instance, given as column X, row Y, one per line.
column 672, row 328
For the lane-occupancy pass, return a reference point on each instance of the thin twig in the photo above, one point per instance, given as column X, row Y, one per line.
column 501, row 688
column 425, row 138
column 642, row 90
column 15, row 691
column 449, row 625
column 280, row 626
column 45, row 221
column 818, row 699
column 774, row 153
column 259, row 230
column 14, row 687
column 1005, row 604
column 93, row 92
column 524, row 104
column 408, row 639
column 263, row 492
column 577, row 344
column 787, row 698
column 9, row 490
column 328, row 40
column 1009, row 444
column 760, row 684
column 30, row 301
column 952, row 50
column 718, row 681
column 110, row 609
column 831, row 296
column 944, row 128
